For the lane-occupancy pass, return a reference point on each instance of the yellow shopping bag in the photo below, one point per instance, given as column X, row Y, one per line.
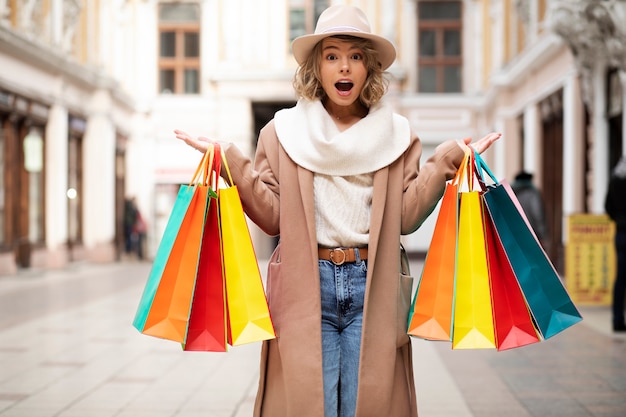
column 473, row 319
column 248, row 312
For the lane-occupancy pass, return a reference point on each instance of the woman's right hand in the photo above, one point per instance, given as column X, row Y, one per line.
column 201, row 143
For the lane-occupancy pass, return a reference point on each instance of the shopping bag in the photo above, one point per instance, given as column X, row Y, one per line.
column 168, row 312
column 430, row 316
column 548, row 301
column 183, row 199
column 512, row 320
column 473, row 320
column 206, row 329
column 249, row 317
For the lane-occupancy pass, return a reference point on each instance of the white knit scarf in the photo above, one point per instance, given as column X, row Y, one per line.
column 310, row 137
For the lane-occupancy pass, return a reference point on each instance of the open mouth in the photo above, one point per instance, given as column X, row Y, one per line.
column 344, row 86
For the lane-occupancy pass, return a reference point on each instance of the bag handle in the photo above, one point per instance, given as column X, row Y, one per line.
column 202, row 171
column 483, row 167
column 460, row 172
column 213, row 169
column 405, row 268
column 230, row 178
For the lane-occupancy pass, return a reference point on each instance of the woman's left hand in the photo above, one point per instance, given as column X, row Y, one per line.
column 483, row 143
column 200, row 144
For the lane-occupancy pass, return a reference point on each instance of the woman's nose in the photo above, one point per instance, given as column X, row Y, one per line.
column 345, row 66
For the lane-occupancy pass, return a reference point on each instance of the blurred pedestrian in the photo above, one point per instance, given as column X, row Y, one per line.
column 130, row 221
column 134, row 229
column 139, row 232
column 615, row 206
column 338, row 176
column 531, row 200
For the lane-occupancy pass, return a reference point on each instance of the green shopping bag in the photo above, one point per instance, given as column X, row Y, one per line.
column 188, row 211
column 183, row 199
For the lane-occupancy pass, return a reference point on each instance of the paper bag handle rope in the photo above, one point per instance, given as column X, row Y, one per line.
column 225, row 163
column 203, row 168
column 483, row 167
column 469, row 173
column 460, row 173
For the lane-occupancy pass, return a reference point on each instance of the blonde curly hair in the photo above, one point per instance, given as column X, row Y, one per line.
column 307, row 81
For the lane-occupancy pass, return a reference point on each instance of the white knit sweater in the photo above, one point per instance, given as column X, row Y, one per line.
column 343, row 163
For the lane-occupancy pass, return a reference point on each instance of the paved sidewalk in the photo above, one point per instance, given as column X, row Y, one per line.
column 68, row 349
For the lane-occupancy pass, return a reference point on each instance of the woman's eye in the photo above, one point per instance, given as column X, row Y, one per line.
column 357, row 57
column 331, row 57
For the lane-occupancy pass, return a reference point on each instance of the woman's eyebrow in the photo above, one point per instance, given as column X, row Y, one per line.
column 352, row 48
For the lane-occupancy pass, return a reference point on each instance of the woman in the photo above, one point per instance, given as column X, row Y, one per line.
column 615, row 206
column 338, row 178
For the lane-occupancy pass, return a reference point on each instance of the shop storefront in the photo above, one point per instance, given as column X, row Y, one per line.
column 22, row 174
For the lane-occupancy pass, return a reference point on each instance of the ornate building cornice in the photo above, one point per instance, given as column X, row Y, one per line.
column 32, row 19
column 594, row 31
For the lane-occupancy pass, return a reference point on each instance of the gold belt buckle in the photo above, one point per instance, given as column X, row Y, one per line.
column 332, row 258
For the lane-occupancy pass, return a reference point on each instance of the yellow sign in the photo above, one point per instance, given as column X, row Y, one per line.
column 590, row 258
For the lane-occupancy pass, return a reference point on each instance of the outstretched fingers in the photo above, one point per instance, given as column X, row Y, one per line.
column 482, row 144
column 201, row 143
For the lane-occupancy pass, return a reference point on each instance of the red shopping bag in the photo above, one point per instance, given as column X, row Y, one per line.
column 512, row 320
column 207, row 320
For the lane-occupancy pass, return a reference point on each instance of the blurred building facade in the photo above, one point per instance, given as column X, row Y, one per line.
column 91, row 90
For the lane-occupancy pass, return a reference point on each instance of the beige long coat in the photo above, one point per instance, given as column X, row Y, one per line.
column 277, row 195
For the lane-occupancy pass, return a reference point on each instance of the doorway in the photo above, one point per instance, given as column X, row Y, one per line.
column 552, row 178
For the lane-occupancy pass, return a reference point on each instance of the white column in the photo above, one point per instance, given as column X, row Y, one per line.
column 56, row 177
column 99, row 173
column 56, row 21
column 532, row 121
column 600, row 150
column 573, row 173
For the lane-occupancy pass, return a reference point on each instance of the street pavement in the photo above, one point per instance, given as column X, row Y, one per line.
column 68, row 349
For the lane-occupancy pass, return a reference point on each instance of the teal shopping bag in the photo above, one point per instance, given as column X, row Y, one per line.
column 551, row 306
column 183, row 199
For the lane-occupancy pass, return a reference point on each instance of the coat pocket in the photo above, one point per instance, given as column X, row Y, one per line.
column 405, row 289
column 274, row 288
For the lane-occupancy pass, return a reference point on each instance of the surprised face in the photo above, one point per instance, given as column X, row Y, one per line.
column 343, row 71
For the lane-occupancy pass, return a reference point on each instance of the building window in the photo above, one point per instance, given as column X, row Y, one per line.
column 440, row 55
column 303, row 15
column 32, row 197
column 179, row 48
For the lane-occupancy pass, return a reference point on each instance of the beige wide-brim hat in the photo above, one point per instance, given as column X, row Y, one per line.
column 343, row 20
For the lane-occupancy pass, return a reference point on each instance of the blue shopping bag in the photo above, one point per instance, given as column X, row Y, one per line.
column 547, row 299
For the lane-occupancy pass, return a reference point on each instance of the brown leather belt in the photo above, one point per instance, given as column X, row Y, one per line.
column 340, row 256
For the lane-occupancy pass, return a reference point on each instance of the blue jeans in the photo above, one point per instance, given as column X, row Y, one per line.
column 342, row 291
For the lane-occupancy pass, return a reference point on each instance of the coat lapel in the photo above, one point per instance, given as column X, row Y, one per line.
column 381, row 178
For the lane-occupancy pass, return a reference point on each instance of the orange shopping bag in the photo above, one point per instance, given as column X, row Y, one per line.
column 168, row 313
column 431, row 312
